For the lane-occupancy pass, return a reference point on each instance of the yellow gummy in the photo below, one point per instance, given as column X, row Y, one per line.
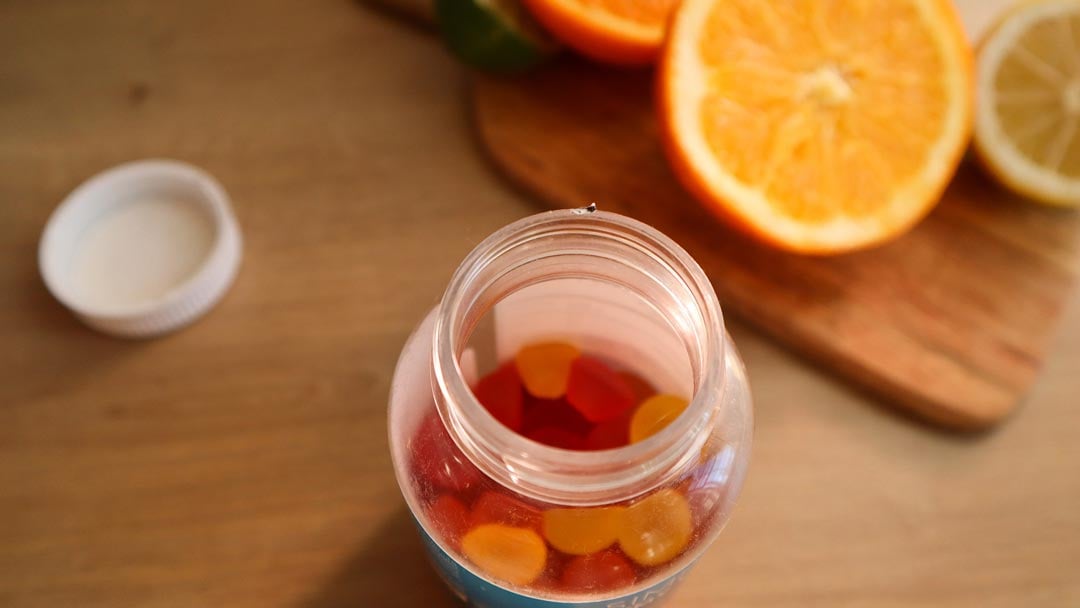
column 657, row 528
column 545, row 368
column 582, row 531
column 654, row 414
column 506, row 553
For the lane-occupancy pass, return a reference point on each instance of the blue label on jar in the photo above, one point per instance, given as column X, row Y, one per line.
column 480, row 593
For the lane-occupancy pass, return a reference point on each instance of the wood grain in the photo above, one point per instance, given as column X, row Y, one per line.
column 950, row 322
column 243, row 462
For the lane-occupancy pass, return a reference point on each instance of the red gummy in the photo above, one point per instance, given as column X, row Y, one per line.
column 438, row 461
column 595, row 390
column 549, row 580
column 603, row 571
column 558, row 437
column 611, row 434
column 499, row 508
column 449, row 516
column 639, row 386
column 556, row 413
column 501, row 393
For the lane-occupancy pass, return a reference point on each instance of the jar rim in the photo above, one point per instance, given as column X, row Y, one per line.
column 551, row 474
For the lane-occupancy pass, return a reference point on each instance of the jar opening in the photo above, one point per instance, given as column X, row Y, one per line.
column 565, row 274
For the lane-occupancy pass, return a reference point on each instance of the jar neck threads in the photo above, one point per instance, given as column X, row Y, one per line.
column 591, row 245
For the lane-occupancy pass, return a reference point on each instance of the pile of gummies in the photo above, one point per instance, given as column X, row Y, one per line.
column 555, row 395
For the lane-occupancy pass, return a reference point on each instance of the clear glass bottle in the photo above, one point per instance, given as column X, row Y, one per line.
column 614, row 527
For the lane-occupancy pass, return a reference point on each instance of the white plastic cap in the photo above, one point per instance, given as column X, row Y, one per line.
column 141, row 249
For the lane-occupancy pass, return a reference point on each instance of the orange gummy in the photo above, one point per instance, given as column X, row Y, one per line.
column 657, row 528
column 582, row 531
column 545, row 368
column 654, row 414
column 514, row 555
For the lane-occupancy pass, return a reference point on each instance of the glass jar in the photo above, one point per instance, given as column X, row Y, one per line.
column 510, row 521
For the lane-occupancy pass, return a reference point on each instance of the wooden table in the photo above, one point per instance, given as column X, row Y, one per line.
column 244, row 461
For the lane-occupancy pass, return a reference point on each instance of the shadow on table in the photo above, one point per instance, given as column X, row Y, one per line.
column 55, row 351
column 745, row 334
column 391, row 569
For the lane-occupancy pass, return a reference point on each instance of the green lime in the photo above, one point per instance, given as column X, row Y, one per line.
column 495, row 35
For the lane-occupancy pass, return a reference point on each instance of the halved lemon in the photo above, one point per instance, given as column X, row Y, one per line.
column 1027, row 124
column 820, row 127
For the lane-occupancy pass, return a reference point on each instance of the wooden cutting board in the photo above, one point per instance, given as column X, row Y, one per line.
column 950, row 322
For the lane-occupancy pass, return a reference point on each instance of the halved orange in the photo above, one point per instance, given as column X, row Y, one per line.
column 820, row 127
column 623, row 32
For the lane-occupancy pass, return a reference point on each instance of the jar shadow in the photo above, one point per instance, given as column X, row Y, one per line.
column 390, row 569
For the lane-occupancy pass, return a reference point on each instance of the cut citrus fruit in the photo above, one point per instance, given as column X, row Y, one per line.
column 624, row 32
column 820, row 127
column 1027, row 123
